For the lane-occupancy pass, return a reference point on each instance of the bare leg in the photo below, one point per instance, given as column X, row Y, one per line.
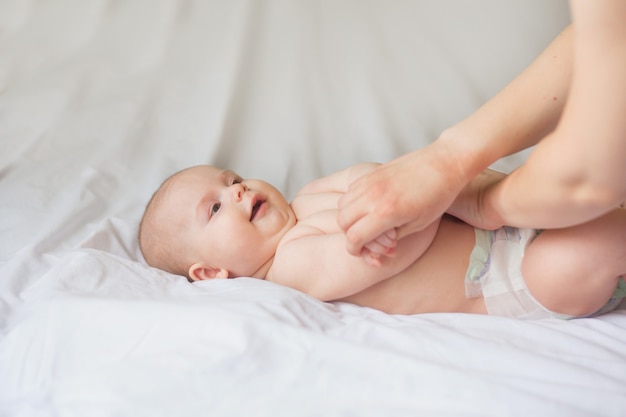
column 575, row 270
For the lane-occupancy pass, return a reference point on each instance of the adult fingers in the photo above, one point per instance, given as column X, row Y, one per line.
column 351, row 208
column 365, row 230
column 348, row 214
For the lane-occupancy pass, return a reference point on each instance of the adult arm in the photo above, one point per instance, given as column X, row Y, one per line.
column 412, row 190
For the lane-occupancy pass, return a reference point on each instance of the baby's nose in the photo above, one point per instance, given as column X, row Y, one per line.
column 238, row 190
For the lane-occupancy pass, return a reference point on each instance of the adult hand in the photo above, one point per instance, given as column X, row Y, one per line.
column 406, row 194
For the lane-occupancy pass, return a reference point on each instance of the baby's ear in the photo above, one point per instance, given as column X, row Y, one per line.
column 202, row 271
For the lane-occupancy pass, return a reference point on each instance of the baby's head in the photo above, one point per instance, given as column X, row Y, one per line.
column 204, row 222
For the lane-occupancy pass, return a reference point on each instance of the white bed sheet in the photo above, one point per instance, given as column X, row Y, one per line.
column 101, row 100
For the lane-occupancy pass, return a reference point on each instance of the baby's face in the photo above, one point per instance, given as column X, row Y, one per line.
column 229, row 222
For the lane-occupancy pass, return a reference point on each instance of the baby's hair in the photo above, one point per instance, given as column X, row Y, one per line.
column 160, row 244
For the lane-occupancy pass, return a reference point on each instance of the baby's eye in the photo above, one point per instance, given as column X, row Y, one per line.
column 215, row 208
column 236, row 180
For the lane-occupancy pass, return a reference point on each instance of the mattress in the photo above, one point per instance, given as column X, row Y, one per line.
column 101, row 100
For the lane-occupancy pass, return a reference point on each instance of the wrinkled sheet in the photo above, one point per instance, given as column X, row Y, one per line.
column 101, row 100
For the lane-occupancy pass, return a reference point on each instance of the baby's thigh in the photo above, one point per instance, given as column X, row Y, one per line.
column 575, row 270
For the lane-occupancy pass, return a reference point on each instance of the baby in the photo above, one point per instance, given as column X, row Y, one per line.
column 208, row 223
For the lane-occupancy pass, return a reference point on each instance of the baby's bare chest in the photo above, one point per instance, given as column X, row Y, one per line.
column 322, row 222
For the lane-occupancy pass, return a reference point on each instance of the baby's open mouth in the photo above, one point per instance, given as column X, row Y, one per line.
column 255, row 209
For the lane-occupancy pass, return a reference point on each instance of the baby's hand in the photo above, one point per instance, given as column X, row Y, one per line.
column 383, row 245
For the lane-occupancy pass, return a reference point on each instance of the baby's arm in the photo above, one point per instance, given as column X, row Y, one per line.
column 324, row 193
column 315, row 261
column 339, row 181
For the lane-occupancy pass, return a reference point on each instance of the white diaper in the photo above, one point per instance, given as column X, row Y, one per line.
column 495, row 273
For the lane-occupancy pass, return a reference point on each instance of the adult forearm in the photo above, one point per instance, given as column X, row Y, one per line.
column 518, row 116
column 411, row 191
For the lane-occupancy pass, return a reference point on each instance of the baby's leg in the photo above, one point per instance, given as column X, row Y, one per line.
column 575, row 270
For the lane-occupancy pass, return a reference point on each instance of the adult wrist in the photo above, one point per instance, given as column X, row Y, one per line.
column 469, row 153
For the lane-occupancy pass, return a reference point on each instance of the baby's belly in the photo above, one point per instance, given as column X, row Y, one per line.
column 433, row 283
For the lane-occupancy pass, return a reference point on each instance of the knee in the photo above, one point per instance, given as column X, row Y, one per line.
column 566, row 287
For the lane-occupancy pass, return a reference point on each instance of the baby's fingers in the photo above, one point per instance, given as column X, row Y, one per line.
column 378, row 249
column 384, row 244
column 389, row 238
column 370, row 258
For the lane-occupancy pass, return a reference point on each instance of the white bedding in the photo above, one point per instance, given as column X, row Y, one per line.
column 101, row 100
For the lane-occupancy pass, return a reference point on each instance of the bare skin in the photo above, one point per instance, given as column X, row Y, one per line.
column 571, row 271
column 409, row 191
column 229, row 227
column 566, row 102
column 434, row 283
